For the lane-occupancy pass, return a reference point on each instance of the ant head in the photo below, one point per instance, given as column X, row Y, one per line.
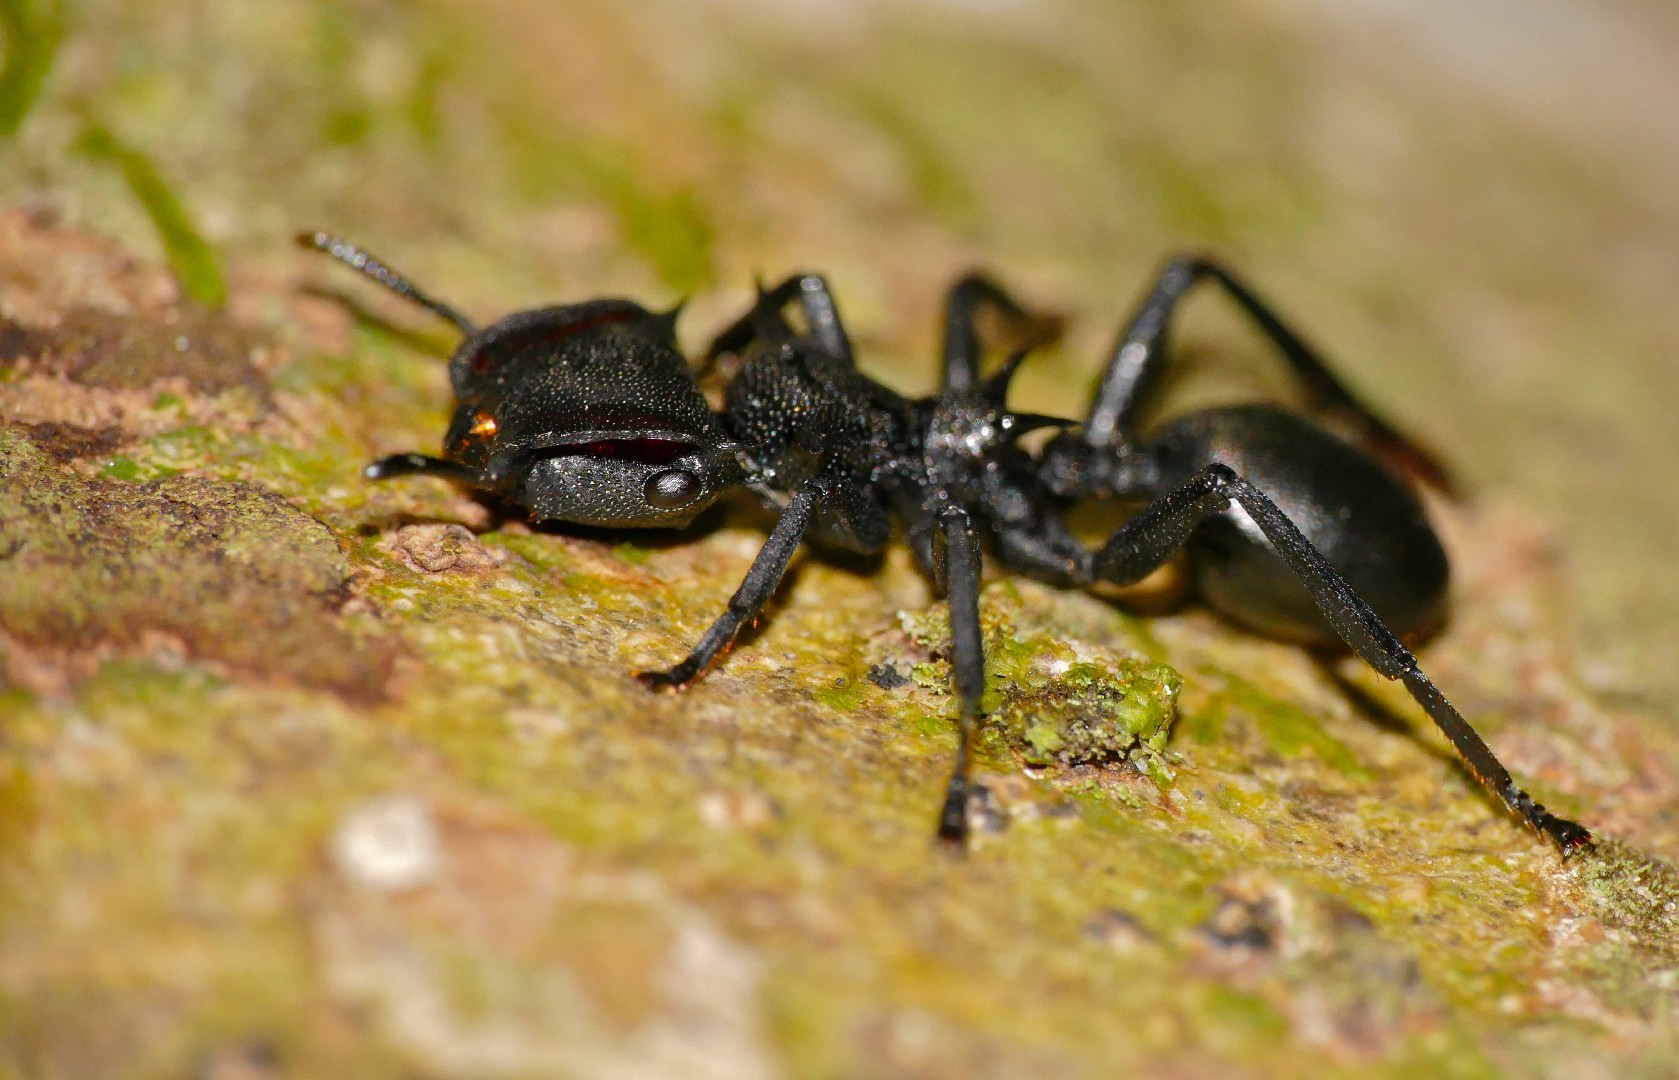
column 587, row 413
column 583, row 412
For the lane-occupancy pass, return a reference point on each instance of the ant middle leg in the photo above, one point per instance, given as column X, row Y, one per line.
column 1166, row 524
column 961, row 574
column 962, row 348
column 767, row 319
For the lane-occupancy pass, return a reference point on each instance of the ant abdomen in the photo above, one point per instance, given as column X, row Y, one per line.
column 1366, row 522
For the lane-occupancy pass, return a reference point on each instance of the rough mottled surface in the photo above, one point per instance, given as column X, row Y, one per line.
column 301, row 776
column 233, row 573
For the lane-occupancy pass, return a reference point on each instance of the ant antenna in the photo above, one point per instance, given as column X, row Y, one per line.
column 357, row 259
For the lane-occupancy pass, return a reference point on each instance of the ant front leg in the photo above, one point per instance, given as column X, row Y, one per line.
column 396, row 465
column 755, row 590
column 1137, row 365
column 1151, row 537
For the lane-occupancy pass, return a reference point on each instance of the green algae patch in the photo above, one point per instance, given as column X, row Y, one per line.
column 1055, row 701
column 235, row 573
column 1091, row 712
column 843, row 693
column 1632, row 959
column 1286, row 728
column 1633, row 892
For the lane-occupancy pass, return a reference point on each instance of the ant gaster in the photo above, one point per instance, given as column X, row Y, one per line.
column 588, row 413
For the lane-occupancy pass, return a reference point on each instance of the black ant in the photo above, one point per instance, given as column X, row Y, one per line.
column 588, row 413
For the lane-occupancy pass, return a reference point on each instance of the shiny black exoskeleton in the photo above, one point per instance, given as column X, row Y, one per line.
column 587, row 413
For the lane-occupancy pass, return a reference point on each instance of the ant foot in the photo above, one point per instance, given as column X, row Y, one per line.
column 676, row 678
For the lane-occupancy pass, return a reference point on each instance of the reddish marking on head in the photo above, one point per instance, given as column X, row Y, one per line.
column 499, row 350
column 644, row 451
column 608, row 419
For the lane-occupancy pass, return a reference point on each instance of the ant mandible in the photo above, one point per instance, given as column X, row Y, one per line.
column 588, row 413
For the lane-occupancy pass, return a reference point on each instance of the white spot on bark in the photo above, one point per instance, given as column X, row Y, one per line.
column 388, row 844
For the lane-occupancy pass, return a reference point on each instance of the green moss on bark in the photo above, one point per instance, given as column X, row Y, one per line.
column 235, row 573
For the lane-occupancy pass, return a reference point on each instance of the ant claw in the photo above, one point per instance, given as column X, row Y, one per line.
column 1571, row 839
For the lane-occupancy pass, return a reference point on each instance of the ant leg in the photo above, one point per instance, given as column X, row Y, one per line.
column 967, row 659
column 357, row 259
column 822, row 314
column 1148, row 539
column 765, row 319
column 418, row 465
column 1139, row 359
column 1041, row 546
column 962, row 352
column 755, row 591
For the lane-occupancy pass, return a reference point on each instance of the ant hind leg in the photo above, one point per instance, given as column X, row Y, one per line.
column 1162, row 527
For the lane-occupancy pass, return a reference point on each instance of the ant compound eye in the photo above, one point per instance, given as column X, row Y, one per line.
column 672, row 489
